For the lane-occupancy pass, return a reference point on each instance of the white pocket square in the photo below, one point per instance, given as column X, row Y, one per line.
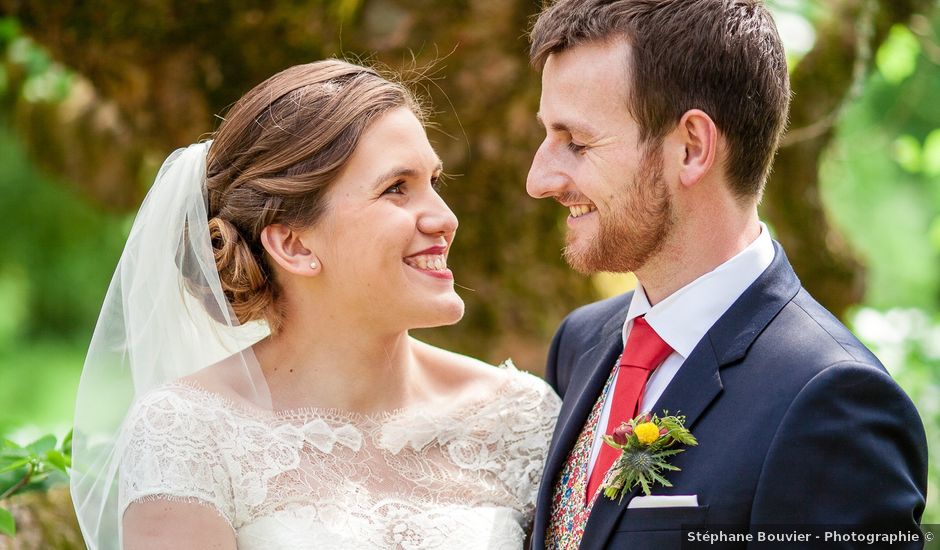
column 664, row 501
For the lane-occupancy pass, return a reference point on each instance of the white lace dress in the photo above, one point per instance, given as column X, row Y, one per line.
column 464, row 478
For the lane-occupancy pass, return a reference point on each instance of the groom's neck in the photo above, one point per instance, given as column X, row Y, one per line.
column 700, row 241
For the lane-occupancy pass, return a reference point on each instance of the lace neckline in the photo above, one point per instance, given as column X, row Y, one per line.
column 352, row 417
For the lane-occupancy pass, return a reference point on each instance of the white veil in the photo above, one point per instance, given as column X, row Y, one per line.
column 164, row 317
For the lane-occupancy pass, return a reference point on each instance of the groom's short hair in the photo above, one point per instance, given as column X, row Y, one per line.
column 724, row 57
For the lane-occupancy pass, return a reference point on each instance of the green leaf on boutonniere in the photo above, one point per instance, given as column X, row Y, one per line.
column 645, row 443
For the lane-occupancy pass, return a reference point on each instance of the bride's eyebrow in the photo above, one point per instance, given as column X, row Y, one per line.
column 404, row 172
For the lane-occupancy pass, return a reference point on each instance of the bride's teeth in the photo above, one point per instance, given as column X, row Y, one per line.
column 433, row 263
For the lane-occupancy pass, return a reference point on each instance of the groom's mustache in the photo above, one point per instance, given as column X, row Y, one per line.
column 568, row 198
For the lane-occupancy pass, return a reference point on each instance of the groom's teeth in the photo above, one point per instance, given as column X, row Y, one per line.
column 428, row 262
column 579, row 210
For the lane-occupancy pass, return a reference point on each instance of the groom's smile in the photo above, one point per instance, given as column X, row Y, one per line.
column 579, row 210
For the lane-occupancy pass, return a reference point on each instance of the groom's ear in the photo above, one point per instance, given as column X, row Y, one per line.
column 697, row 135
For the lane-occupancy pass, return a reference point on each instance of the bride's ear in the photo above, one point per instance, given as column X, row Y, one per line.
column 285, row 247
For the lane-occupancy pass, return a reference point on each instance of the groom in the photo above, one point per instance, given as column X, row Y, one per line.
column 662, row 118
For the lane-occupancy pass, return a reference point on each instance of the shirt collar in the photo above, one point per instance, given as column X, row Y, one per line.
column 683, row 318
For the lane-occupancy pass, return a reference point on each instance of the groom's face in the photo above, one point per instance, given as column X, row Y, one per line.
column 593, row 162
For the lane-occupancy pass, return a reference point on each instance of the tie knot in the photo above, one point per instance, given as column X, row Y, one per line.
column 644, row 349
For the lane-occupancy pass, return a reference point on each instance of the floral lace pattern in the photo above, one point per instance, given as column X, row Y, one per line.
column 323, row 478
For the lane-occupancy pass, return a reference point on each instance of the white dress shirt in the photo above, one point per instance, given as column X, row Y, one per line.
column 683, row 318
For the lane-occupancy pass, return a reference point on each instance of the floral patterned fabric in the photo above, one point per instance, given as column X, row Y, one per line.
column 421, row 479
column 570, row 505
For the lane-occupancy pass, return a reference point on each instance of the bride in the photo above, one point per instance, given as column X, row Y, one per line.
column 251, row 382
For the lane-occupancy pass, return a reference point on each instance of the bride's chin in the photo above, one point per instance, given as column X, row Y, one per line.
column 442, row 312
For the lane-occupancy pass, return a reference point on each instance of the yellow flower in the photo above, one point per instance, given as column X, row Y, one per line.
column 647, row 433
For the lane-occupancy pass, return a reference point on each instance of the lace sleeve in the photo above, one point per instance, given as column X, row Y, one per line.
column 171, row 452
column 536, row 406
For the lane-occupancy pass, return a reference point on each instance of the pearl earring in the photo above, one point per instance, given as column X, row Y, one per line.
column 314, row 264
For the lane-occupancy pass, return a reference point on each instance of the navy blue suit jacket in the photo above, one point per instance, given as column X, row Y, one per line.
column 797, row 422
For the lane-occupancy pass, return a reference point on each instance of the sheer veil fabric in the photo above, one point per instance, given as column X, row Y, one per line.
column 164, row 317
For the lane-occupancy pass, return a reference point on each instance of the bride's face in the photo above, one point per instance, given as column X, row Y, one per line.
column 386, row 232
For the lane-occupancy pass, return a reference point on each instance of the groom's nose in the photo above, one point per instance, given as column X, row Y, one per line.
column 545, row 177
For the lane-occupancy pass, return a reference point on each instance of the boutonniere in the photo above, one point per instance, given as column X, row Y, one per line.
column 645, row 443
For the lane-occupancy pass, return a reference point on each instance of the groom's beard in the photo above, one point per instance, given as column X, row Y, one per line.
column 635, row 228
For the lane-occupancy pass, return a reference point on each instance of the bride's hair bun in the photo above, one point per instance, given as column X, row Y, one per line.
column 274, row 157
column 244, row 281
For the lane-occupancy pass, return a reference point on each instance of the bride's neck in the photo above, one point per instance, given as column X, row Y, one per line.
column 326, row 362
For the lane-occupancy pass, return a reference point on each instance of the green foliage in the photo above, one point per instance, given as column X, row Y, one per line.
column 45, row 80
column 907, row 153
column 931, row 154
column 7, row 524
column 59, row 252
column 33, row 467
column 38, row 382
column 897, row 57
column 887, row 205
column 934, row 233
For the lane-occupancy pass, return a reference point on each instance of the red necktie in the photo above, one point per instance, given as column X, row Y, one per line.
column 644, row 351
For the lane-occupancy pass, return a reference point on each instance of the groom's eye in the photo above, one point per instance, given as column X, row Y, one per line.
column 575, row 148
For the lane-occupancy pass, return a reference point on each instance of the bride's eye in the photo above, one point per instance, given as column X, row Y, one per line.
column 395, row 188
column 438, row 183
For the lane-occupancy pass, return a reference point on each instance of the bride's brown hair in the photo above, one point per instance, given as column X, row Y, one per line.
column 272, row 160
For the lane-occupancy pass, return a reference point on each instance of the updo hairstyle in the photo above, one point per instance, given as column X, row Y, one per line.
column 273, row 158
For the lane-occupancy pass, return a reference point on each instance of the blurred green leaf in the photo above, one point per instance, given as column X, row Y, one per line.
column 897, row 57
column 7, row 524
column 907, row 153
column 931, row 154
column 347, row 10
column 9, row 29
column 42, row 445
column 935, row 233
column 66, row 446
column 58, row 460
column 15, row 465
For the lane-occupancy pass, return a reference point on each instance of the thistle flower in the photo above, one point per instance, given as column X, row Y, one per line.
column 646, row 443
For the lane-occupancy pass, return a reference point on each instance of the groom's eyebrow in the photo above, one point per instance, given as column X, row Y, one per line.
column 572, row 128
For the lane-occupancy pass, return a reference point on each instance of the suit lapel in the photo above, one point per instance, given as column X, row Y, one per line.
column 698, row 381
column 579, row 400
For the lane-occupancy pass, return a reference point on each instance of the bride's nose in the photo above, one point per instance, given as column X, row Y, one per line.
column 437, row 218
